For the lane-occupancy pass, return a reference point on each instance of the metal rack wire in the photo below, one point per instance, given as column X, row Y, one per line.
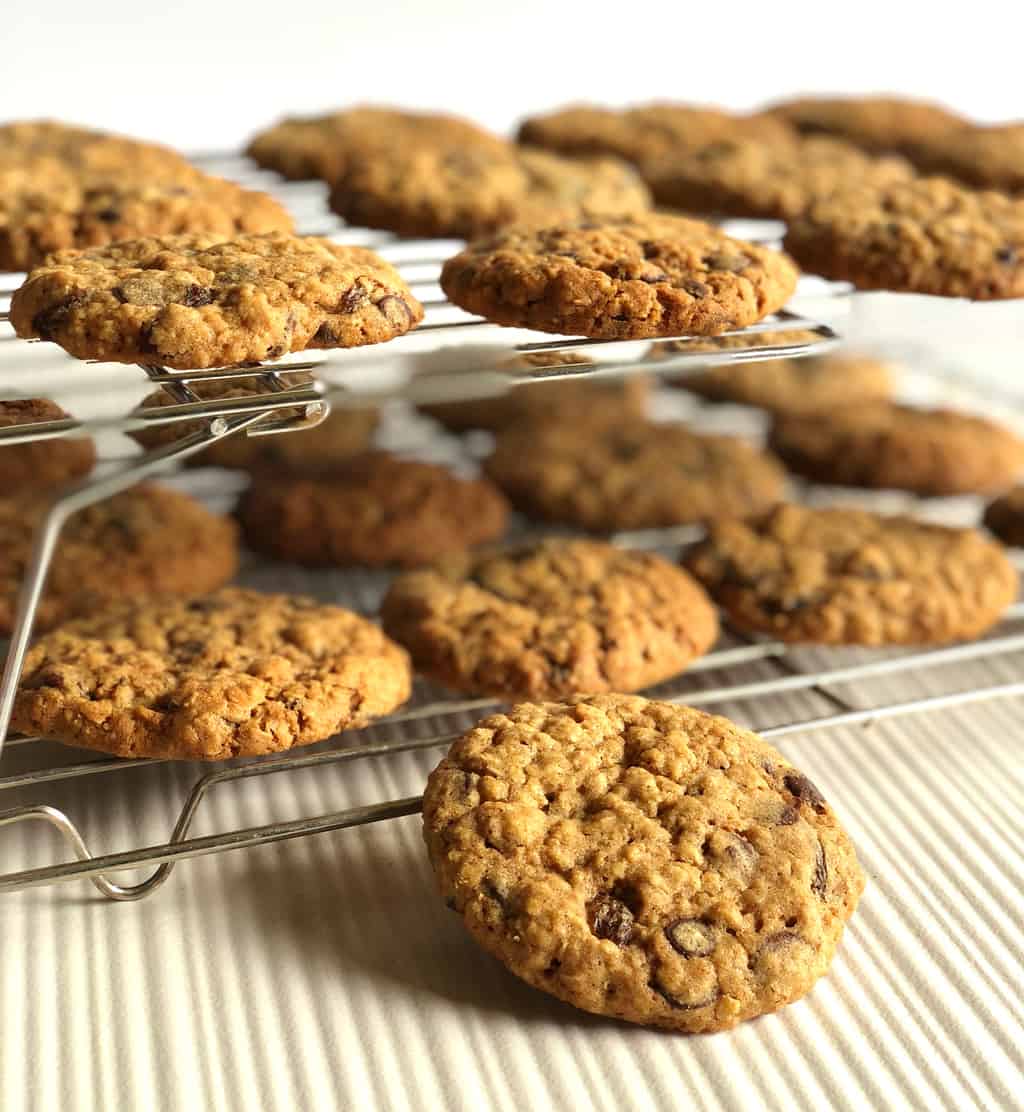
column 277, row 406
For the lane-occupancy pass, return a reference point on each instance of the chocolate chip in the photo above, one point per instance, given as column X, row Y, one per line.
column 610, row 918
column 650, row 249
column 651, row 279
column 683, row 1005
column 788, row 816
column 805, row 791
column 1007, row 255
column 49, row 320
column 326, row 335
column 108, row 215
column 691, row 937
column 695, row 288
column 775, row 942
column 724, row 260
column 195, row 296
column 819, row 881
column 353, row 299
column 396, row 311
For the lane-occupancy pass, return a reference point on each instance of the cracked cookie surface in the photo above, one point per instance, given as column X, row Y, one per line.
column 196, row 301
column 148, row 540
column 374, row 509
column 44, row 462
column 838, row 576
column 551, row 619
column 624, row 279
column 232, row 674
column 640, row 860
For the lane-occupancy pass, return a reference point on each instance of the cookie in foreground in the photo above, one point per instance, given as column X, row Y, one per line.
column 641, row 860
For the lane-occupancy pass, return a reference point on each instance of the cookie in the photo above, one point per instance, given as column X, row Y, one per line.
column 643, row 133
column 1005, row 516
column 750, row 177
column 202, row 301
column 461, row 192
column 810, row 384
column 34, row 224
column 640, row 860
column 547, row 620
column 569, row 398
column 41, row 463
column 374, row 510
column 984, row 157
column 849, row 577
column 880, row 124
column 924, row 236
column 314, row 451
column 149, row 540
column 307, row 147
column 626, row 279
column 230, row 674
column 630, row 474
column 930, row 452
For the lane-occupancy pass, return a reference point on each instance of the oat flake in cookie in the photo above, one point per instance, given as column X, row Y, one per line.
column 642, row 861
column 620, row 279
column 197, row 301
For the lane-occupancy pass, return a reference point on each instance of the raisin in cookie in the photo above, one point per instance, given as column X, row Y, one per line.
column 640, row 860
column 1005, row 516
column 149, row 540
column 202, row 301
column 375, row 510
column 231, row 674
column 43, row 462
column 924, row 236
column 628, row 473
column 462, row 192
column 624, row 279
column 749, row 177
column 550, row 619
column 842, row 577
column 931, row 452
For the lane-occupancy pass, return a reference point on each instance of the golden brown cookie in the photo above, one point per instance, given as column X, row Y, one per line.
column 374, row 509
column 625, row 279
column 628, row 473
column 924, row 236
column 547, row 620
column 149, row 540
column 642, row 861
column 231, row 674
column 931, row 452
column 849, row 577
column 204, row 301
column 984, row 157
column 40, row 463
column 1005, row 516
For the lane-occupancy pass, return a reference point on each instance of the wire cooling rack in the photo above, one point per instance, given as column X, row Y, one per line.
column 277, row 406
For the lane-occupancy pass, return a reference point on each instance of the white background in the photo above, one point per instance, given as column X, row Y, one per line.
column 207, row 74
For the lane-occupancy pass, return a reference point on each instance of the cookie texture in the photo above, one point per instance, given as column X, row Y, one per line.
column 924, row 236
column 631, row 278
column 640, row 860
column 231, row 674
column 630, row 473
column 464, row 192
column 149, row 540
column 751, row 177
column 547, row 620
column 376, row 510
column 849, row 577
column 1005, row 516
column 44, row 462
column 198, row 301
column 983, row 157
column 931, row 452
column 811, row 384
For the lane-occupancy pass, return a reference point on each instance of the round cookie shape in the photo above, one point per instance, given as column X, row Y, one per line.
column 927, row 236
column 195, row 301
column 36, row 223
column 880, row 124
column 232, row 674
column 623, row 279
column 886, row 445
column 375, row 510
column 1005, row 516
column 44, row 462
column 749, row 177
column 463, row 192
column 640, row 860
column 604, row 475
column 821, row 384
column 849, row 577
column 547, row 620
column 149, row 540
